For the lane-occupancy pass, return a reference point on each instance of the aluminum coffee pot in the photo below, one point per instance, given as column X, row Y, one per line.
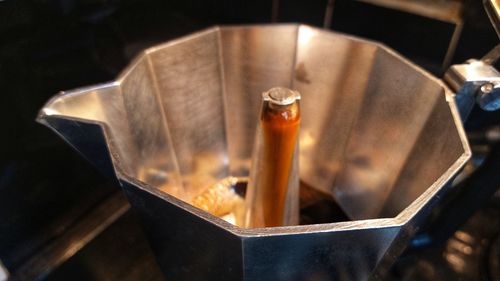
column 380, row 135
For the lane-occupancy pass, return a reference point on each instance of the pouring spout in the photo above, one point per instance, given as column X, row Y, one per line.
column 87, row 138
column 79, row 118
column 118, row 129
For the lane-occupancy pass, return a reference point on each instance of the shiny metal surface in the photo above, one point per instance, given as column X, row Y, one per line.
column 248, row 72
column 272, row 194
column 444, row 10
column 493, row 9
column 385, row 140
column 4, row 273
column 78, row 236
column 192, row 108
column 488, row 97
column 476, row 81
column 473, row 71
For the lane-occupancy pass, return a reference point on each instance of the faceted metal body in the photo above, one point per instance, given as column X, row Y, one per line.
column 378, row 133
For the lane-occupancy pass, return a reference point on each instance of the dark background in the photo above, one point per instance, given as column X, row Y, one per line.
column 47, row 46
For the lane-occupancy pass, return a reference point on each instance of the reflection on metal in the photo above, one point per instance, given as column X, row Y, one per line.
column 4, row 273
column 385, row 141
column 469, row 254
column 492, row 56
column 74, row 239
column 476, row 82
column 222, row 200
column 494, row 258
column 493, row 9
column 327, row 22
column 444, row 10
column 460, row 250
column 273, row 188
column 488, row 97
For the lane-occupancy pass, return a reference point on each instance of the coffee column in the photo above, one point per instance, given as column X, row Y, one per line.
column 272, row 198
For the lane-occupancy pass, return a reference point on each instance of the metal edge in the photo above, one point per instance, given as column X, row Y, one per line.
column 492, row 8
column 269, row 231
column 409, row 212
column 402, row 217
column 181, row 40
column 74, row 92
column 105, row 130
column 130, row 66
column 397, row 221
column 73, row 240
column 261, row 25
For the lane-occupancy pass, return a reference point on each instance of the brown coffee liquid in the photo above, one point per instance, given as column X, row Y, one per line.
column 280, row 126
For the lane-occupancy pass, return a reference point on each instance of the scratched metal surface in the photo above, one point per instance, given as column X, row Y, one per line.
column 190, row 113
